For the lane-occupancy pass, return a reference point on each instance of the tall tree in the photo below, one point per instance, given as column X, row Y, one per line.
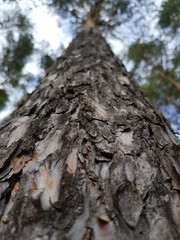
column 153, row 48
column 87, row 156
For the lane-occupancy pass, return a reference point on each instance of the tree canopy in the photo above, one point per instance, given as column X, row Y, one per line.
column 147, row 30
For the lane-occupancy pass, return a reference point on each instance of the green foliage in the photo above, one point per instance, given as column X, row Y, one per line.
column 147, row 52
column 156, row 59
column 160, row 82
column 159, row 90
column 15, row 56
column 170, row 15
column 61, row 3
column 3, row 98
column 118, row 6
column 149, row 88
column 23, row 23
column 16, row 28
column 176, row 59
column 46, row 61
column 14, row 19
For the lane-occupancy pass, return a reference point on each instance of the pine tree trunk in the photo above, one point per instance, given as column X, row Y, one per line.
column 87, row 156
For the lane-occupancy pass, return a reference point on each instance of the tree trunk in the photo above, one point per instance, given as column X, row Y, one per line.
column 87, row 156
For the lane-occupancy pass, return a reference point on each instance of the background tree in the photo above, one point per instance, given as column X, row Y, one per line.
column 158, row 60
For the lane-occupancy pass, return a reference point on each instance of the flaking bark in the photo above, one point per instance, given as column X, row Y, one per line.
column 87, row 156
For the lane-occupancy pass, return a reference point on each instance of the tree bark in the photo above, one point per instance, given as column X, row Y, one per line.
column 87, row 156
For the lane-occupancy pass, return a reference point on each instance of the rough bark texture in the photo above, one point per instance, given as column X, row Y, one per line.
column 87, row 157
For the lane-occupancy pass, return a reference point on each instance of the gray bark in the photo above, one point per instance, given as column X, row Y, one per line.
column 88, row 157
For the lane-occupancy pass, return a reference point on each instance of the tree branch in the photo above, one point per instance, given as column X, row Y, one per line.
column 166, row 76
column 93, row 16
